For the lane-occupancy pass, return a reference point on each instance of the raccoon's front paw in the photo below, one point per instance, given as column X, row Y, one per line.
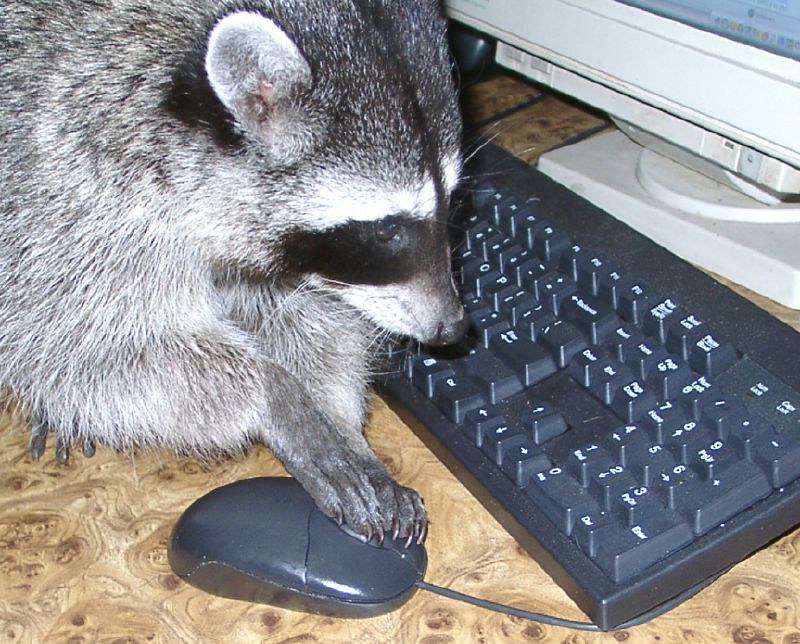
column 38, row 443
column 373, row 504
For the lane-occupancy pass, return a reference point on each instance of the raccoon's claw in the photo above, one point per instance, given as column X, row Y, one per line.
column 62, row 451
column 38, row 443
column 359, row 492
column 89, row 447
column 38, row 440
column 398, row 511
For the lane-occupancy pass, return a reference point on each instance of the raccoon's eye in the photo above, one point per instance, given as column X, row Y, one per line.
column 386, row 231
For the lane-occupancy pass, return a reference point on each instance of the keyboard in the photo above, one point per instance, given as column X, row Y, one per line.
column 632, row 422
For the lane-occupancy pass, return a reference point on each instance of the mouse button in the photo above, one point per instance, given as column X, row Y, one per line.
column 347, row 568
column 257, row 525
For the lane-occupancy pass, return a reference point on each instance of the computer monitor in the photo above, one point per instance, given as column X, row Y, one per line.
column 706, row 94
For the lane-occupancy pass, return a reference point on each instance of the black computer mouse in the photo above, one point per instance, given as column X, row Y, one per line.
column 264, row 540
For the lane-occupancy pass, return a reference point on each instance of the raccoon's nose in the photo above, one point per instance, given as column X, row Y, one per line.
column 451, row 332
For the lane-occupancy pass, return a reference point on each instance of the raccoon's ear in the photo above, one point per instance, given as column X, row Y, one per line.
column 256, row 71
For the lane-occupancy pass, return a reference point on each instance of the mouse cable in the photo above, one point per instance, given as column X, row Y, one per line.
column 569, row 623
column 510, row 111
column 582, row 135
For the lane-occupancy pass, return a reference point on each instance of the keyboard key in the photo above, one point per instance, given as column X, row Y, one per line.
column 521, row 461
column 514, row 304
column 712, row 459
column 634, row 299
column 549, row 242
column 514, row 257
column 479, row 422
column 586, row 362
column 525, row 227
column 743, row 433
column 455, row 396
column 589, row 268
column 606, row 377
column 592, row 316
column 571, row 258
column 588, row 527
column 479, row 235
column 496, row 292
column 475, row 306
column 722, row 414
column 682, row 333
column 585, row 462
column 668, row 377
column 658, row 318
column 563, row 341
column 779, row 456
column 624, row 551
column 711, row 354
column 528, row 272
column 722, row 496
column 635, row 504
column 543, row 422
column 696, row 395
column 642, row 355
column 500, row 440
column 511, row 215
column 627, row 444
column 531, row 362
column 501, row 251
column 663, row 419
column 632, row 400
column 561, row 497
column 496, row 379
column 609, row 283
column 676, row 484
column 487, row 326
column 552, row 289
column 623, row 336
column 534, row 320
column 763, row 393
column 426, row 371
column 476, row 273
column 609, row 483
column 685, row 439
column 656, row 460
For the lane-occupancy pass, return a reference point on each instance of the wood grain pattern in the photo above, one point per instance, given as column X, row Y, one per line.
column 83, row 546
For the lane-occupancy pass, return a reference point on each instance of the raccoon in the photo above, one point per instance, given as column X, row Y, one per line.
column 213, row 214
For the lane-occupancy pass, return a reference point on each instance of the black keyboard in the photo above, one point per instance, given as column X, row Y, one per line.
column 632, row 422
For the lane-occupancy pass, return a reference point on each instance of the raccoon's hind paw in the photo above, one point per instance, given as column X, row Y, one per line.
column 38, row 443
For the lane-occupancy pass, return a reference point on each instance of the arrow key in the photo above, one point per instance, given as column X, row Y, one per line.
column 543, row 422
column 522, row 461
column 498, row 441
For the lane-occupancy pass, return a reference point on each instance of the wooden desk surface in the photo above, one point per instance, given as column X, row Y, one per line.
column 83, row 546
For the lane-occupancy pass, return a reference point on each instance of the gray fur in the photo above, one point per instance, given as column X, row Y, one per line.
column 146, row 294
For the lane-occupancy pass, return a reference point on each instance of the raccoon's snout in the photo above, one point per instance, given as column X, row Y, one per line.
column 450, row 332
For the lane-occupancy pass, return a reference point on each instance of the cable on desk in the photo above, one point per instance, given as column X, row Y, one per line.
column 581, row 136
column 569, row 623
column 497, row 116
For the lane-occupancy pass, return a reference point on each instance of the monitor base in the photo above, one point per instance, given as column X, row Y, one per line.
column 715, row 232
